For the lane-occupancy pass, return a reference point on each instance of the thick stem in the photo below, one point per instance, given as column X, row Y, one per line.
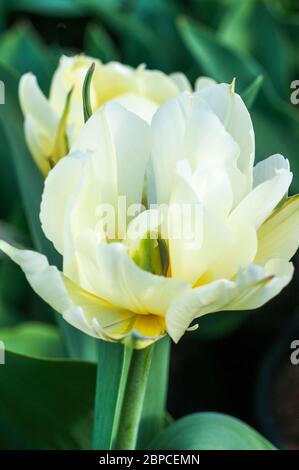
column 133, row 399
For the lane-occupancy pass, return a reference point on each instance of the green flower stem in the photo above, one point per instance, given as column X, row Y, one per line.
column 133, row 399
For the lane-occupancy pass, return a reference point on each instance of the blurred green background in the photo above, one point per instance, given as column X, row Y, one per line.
column 221, row 367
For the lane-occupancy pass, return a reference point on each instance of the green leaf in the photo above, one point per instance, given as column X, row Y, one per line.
column 87, row 110
column 99, row 44
column 234, row 26
column 214, row 57
column 31, row 186
column 154, row 408
column 45, row 403
column 250, row 93
column 9, row 316
column 22, row 50
column 53, row 8
column 210, row 431
column 33, row 339
column 8, row 185
column 113, row 362
column 268, row 36
column 138, row 39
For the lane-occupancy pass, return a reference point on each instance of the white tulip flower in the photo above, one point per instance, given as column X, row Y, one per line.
column 198, row 151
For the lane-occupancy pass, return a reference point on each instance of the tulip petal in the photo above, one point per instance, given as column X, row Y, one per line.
column 252, row 288
column 156, row 85
column 204, row 82
column 181, row 81
column 278, row 237
column 268, row 168
column 239, row 251
column 119, row 141
column 69, row 74
column 107, row 271
column 61, row 186
column 232, row 112
column 139, row 105
column 203, row 235
column 257, row 206
column 78, row 307
column 34, row 103
column 41, row 122
column 110, row 153
column 185, row 128
column 115, row 79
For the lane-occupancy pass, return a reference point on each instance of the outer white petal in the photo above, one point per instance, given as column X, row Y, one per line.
column 40, row 123
column 34, row 103
column 252, row 288
column 268, row 168
column 243, row 223
column 119, row 141
column 278, row 274
column 61, row 186
column 232, row 112
column 257, row 206
column 278, row 237
column 197, row 236
column 115, row 79
column 71, row 73
column 186, row 128
column 203, row 82
column 108, row 272
column 156, row 85
column 114, row 165
column 45, row 280
column 78, row 307
column 140, row 105
column 181, row 81
column 238, row 252
column 39, row 143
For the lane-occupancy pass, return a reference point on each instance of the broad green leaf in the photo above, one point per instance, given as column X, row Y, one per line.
column 14, row 289
column 214, row 57
column 99, row 44
column 9, row 315
column 267, row 35
column 154, row 408
column 45, row 403
column 112, row 370
column 22, row 50
column 9, row 194
column 210, row 431
column 233, row 28
column 250, row 93
column 31, row 186
column 160, row 15
column 124, row 23
column 54, row 7
column 33, row 339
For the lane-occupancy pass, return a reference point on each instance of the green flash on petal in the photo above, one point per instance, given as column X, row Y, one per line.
column 150, row 254
column 61, row 146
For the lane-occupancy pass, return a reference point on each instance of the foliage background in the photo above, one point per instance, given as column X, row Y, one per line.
column 216, row 368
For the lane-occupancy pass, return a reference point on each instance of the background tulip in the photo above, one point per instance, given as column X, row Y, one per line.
column 139, row 90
